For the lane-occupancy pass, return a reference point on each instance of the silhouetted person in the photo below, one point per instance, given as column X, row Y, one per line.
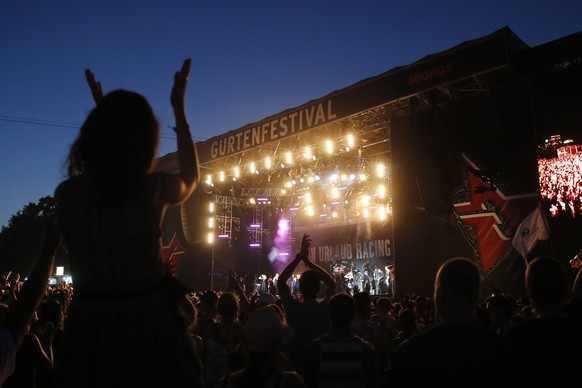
column 262, row 337
column 552, row 340
column 339, row 358
column 458, row 351
column 308, row 317
column 122, row 326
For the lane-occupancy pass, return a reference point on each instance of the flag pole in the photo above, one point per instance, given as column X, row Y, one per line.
column 550, row 248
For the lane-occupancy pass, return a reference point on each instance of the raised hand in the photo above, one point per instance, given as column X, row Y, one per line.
column 179, row 91
column 95, row 86
column 304, row 253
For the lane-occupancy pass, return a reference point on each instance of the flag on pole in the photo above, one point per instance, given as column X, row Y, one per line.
column 531, row 230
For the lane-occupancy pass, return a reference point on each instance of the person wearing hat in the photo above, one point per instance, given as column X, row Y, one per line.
column 263, row 336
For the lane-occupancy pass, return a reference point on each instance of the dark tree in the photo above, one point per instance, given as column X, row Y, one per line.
column 22, row 239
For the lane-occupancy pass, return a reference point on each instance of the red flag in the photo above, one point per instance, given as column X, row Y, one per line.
column 531, row 230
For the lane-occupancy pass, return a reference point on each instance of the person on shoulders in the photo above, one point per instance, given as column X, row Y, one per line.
column 122, row 324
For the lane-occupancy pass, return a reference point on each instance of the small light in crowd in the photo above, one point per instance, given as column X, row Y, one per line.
column 60, row 271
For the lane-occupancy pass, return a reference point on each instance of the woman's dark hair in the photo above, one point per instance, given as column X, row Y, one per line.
column 117, row 144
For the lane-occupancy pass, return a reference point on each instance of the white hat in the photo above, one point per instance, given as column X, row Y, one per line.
column 264, row 331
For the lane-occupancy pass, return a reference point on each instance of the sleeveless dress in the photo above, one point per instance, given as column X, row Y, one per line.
column 122, row 329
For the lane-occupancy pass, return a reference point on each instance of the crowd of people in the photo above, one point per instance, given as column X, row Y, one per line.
column 127, row 322
column 561, row 185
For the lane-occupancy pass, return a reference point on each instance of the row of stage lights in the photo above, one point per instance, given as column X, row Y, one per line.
column 269, row 163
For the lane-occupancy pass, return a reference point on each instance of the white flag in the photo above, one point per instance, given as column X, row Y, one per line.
column 530, row 231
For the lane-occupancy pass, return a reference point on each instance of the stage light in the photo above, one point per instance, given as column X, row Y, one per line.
column 211, row 222
column 380, row 170
column 221, row 176
column 307, row 153
column 209, row 179
column 365, row 200
column 268, row 162
column 252, row 168
column 210, row 238
column 329, row 146
column 350, row 140
column 288, row 157
column 211, row 207
column 236, row 172
column 382, row 213
column 381, row 191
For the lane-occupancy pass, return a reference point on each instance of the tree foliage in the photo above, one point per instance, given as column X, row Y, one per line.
column 22, row 239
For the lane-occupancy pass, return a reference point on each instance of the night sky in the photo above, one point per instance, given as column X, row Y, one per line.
column 250, row 60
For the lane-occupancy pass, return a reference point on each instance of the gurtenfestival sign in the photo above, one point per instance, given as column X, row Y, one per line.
column 401, row 82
